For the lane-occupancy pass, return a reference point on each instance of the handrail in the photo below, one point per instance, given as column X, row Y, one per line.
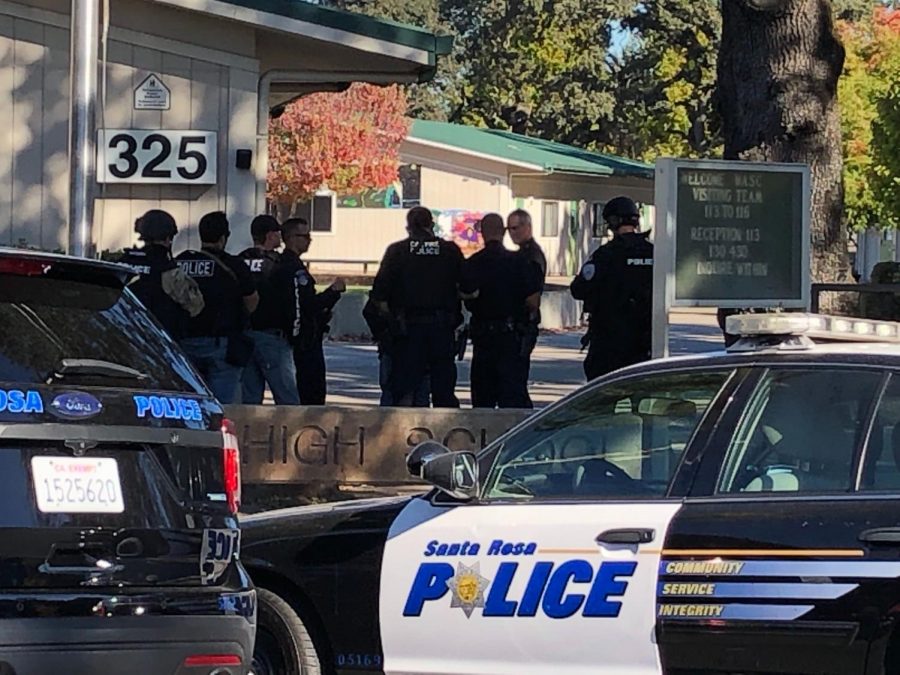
column 818, row 289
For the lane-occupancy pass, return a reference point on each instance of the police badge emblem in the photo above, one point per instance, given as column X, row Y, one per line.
column 468, row 587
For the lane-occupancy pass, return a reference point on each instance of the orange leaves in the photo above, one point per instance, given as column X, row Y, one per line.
column 348, row 142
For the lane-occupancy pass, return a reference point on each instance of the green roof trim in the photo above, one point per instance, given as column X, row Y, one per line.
column 351, row 22
column 547, row 155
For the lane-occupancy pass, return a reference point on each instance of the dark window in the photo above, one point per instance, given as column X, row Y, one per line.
column 598, row 225
column 411, row 185
column 46, row 320
column 799, row 432
column 882, row 467
column 622, row 440
column 550, row 219
column 321, row 213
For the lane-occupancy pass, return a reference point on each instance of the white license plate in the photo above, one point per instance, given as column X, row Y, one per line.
column 77, row 485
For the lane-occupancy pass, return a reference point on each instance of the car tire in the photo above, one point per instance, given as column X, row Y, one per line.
column 283, row 644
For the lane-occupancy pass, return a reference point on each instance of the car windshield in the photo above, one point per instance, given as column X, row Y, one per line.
column 620, row 440
column 49, row 323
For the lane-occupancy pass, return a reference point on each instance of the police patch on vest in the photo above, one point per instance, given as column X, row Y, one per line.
column 640, row 261
column 302, row 278
column 425, row 247
column 588, row 271
column 197, row 268
column 255, row 265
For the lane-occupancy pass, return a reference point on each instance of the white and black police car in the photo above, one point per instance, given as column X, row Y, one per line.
column 730, row 513
column 119, row 487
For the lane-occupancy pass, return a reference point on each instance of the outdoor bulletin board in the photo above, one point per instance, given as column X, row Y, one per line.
column 729, row 234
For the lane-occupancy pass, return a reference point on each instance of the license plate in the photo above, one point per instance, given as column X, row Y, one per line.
column 77, row 485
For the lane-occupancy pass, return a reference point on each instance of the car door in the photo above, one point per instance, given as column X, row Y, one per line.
column 785, row 558
column 554, row 568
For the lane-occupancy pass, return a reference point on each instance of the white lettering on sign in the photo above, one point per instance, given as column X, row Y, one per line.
column 145, row 156
column 152, row 94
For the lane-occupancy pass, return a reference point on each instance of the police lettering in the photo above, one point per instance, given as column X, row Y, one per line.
column 255, row 265
column 640, row 261
column 18, row 402
column 168, row 408
column 197, row 268
column 558, row 591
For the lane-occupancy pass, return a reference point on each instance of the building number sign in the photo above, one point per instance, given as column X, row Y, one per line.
column 147, row 156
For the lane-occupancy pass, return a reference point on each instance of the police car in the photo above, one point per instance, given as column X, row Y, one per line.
column 119, row 487
column 730, row 513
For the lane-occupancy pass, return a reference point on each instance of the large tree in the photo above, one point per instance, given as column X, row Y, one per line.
column 438, row 97
column 665, row 82
column 779, row 64
column 538, row 67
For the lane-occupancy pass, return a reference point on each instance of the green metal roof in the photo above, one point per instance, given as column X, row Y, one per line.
column 546, row 155
column 380, row 29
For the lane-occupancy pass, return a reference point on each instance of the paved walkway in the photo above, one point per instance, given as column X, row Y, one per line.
column 555, row 371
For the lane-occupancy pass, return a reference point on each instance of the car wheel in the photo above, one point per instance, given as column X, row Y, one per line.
column 283, row 645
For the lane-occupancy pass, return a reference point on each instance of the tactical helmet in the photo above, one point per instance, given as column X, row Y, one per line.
column 156, row 225
column 621, row 211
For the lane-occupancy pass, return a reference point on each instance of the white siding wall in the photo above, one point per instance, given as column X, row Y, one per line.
column 363, row 234
column 210, row 91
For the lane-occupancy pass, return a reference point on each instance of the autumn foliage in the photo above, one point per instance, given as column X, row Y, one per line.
column 347, row 142
column 869, row 92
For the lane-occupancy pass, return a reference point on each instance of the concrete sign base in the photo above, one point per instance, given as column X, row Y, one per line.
column 353, row 446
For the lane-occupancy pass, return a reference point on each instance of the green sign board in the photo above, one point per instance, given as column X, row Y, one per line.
column 730, row 234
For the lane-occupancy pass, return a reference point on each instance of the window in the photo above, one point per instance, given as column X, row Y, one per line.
column 622, row 440
column 799, row 432
column 46, row 320
column 882, row 467
column 598, row 225
column 411, row 184
column 321, row 213
column 317, row 212
column 550, row 219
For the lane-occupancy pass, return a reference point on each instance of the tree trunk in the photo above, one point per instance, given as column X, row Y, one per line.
column 779, row 64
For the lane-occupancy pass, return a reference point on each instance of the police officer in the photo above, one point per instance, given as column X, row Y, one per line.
column 310, row 311
column 270, row 324
column 520, row 228
column 504, row 287
column 161, row 286
column 215, row 340
column 417, row 288
column 616, row 285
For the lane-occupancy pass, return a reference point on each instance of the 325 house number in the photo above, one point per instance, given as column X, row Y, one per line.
column 146, row 156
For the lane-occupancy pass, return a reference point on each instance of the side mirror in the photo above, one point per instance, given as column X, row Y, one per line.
column 455, row 473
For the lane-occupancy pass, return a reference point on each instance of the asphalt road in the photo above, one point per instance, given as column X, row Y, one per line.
column 555, row 370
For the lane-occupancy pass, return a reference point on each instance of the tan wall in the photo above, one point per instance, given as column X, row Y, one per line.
column 211, row 90
column 363, row 234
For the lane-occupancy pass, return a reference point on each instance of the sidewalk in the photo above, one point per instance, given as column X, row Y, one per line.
column 555, row 371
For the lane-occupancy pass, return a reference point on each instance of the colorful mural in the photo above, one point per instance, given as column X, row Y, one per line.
column 458, row 225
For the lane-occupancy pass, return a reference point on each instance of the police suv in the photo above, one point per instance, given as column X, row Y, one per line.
column 119, row 487
column 730, row 513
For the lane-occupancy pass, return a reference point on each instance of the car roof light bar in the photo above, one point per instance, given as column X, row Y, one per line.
column 815, row 326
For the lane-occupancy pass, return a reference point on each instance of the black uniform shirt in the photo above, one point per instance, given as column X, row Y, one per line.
column 503, row 280
column 532, row 252
column 616, row 285
column 225, row 281
column 420, row 274
column 309, row 311
column 150, row 262
column 273, row 311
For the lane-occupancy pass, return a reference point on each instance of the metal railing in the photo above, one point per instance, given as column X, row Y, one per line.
column 818, row 289
column 342, row 261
